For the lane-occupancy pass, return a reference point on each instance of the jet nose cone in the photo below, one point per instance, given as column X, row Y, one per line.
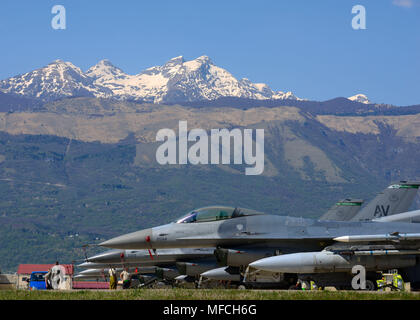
column 94, row 265
column 214, row 273
column 91, row 272
column 84, row 265
column 135, row 240
column 221, row 274
column 268, row 264
column 113, row 256
column 303, row 262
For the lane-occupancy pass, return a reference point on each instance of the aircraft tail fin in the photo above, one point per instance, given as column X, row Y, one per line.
column 396, row 198
column 343, row 210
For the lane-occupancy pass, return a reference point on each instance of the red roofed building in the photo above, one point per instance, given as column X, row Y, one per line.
column 27, row 269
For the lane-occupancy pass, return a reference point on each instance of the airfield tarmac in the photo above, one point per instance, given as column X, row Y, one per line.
column 204, row 294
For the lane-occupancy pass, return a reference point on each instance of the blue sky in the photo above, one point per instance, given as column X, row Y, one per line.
column 307, row 47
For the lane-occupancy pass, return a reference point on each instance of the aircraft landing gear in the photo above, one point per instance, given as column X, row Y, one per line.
column 371, row 285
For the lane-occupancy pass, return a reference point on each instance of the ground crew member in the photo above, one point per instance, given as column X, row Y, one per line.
column 303, row 285
column 381, row 283
column 397, row 282
column 112, row 279
column 297, row 286
column 125, row 277
column 47, row 278
column 306, row 285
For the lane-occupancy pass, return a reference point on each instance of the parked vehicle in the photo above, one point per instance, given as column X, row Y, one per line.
column 37, row 280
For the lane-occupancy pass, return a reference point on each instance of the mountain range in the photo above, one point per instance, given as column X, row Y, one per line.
column 177, row 81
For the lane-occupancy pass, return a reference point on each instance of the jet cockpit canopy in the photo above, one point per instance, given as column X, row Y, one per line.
column 208, row 214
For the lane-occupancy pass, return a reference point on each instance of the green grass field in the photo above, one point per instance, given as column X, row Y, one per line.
column 203, row 294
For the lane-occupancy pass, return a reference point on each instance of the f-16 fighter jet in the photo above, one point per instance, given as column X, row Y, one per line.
column 248, row 235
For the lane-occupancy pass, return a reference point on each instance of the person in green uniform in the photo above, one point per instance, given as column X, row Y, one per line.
column 112, row 279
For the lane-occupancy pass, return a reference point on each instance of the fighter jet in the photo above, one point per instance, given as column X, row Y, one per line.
column 188, row 261
column 248, row 235
column 394, row 199
column 334, row 264
column 146, row 257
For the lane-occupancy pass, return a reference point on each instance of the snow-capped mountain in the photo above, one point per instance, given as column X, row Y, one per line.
column 57, row 80
column 175, row 81
column 360, row 98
